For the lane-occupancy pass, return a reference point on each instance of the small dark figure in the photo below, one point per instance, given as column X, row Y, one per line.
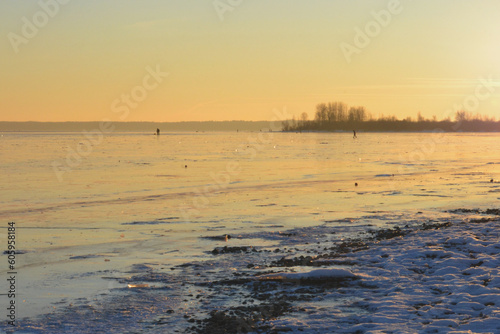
column 356, row 184
column 354, row 131
column 157, row 132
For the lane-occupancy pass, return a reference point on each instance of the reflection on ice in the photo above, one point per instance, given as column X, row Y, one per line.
column 132, row 213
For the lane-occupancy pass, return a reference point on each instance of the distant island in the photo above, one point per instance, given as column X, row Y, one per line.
column 329, row 117
column 337, row 116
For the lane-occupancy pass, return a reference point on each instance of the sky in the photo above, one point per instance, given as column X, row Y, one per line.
column 180, row 60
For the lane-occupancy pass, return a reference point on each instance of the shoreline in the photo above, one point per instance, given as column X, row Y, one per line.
column 407, row 266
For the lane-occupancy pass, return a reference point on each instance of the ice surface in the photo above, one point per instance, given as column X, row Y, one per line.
column 119, row 218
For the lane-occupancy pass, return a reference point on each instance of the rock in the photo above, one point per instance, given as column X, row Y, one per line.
column 225, row 250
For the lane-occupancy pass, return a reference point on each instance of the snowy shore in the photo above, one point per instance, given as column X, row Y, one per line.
column 421, row 275
column 433, row 278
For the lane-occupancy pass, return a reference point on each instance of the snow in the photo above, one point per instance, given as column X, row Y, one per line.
column 449, row 287
column 323, row 274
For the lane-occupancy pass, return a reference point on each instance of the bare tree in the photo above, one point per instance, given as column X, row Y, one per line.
column 321, row 113
column 462, row 115
column 357, row 114
column 304, row 117
column 420, row 118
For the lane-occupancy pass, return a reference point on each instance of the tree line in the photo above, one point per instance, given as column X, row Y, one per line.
column 338, row 116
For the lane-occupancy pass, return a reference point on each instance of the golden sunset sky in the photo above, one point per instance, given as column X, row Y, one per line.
column 88, row 60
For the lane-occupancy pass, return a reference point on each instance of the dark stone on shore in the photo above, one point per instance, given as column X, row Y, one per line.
column 351, row 246
column 465, row 211
column 240, row 249
column 296, row 261
column 487, row 211
column 436, row 226
column 287, row 234
column 388, row 233
column 483, row 220
column 242, row 319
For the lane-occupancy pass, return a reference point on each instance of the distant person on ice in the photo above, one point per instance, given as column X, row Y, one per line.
column 157, row 132
column 354, row 131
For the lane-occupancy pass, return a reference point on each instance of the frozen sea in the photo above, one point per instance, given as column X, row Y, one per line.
column 183, row 232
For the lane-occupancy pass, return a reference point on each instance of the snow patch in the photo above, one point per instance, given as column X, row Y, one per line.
column 318, row 274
